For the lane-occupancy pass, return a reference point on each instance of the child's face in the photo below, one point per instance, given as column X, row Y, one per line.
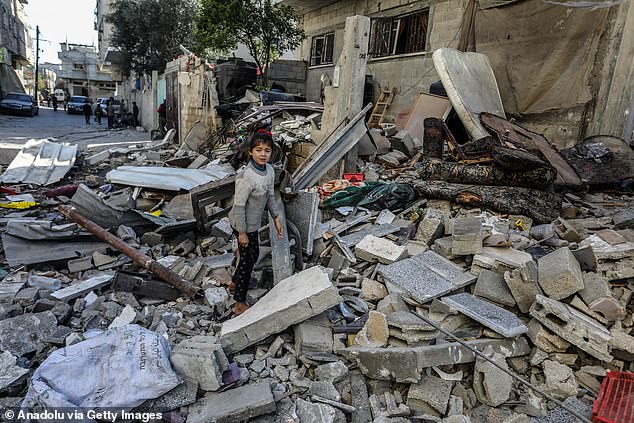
column 261, row 154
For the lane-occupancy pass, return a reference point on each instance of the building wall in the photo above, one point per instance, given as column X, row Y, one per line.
column 145, row 94
column 409, row 74
column 88, row 81
column 291, row 74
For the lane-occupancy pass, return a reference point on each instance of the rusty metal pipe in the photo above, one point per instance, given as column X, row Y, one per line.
column 139, row 258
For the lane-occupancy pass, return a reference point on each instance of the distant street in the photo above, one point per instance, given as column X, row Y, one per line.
column 16, row 130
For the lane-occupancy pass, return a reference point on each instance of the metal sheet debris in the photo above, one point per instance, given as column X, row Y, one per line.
column 19, row 251
column 40, row 162
column 166, row 178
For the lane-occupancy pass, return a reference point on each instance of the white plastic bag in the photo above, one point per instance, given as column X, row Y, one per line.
column 120, row 368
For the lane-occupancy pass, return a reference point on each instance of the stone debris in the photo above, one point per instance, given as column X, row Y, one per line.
column 538, row 279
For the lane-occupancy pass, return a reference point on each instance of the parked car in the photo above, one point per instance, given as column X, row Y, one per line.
column 76, row 104
column 103, row 103
column 20, row 104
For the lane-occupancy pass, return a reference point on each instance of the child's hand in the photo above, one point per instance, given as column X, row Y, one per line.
column 243, row 239
column 278, row 226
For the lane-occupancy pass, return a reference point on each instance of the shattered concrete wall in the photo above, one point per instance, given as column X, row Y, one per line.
column 291, row 74
column 145, row 95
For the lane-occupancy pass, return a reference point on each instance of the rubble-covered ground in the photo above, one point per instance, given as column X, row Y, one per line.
column 362, row 330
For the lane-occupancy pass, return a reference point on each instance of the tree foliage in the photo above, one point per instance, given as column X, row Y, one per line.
column 266, row 30
column 149, row 32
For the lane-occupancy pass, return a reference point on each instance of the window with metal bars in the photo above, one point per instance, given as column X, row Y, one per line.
column 399, row 34
column 322, row 48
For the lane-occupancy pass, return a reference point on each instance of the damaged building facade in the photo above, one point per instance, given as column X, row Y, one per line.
column 569, row 76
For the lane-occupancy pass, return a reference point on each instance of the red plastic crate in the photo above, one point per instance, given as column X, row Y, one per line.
column 615, row 403
column 354, row 177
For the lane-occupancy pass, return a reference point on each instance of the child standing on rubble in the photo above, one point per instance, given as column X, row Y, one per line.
column 254, row 191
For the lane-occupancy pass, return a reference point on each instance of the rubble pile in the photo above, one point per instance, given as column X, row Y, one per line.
column 434, row 284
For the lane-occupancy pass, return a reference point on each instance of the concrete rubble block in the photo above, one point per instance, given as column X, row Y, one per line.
column 403, row 142
column 375, row 332
column 410, row 328
column 392, row 303
column 97, row 158
column 216, row 297
column 83, row 287
column 309, row 412
column 360, row 400
column 586, row 258
column 429, row 230
column 235, row 405
column 184, row 248
column 430, row 395
column 560, row 274
column 560, row 379
column 609, row 308
column 406, row 364
column 312, row 337
column 372, row 290
column 443, row 247
column 595, row 286
column 202, row 359
column 12, row 376
column 605, row 251
column 181, row 396
column 559, row 415
column 467, row 236
column 384, row 407
column 492, row 386
column 222, row 229
column 331, row 372
column 491, row 285
column 495, row 318
column 499, row 259
column 426, row 276
column 622, row 342
column 566, row 231
column 617, row 269
column 79, row 265
column 293, row 300
column 151, row 238
column 624, row 219
column 522, row 282
column 575, row 327
column 544, row 339
column 324, row 389
column 26, row 333
column 127, row 316
column 372, row 249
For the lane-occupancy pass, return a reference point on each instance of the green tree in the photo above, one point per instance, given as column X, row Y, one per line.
column 266, row 30
column 149, row 32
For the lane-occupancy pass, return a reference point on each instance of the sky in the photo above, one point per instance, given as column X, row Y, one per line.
column 60, row 20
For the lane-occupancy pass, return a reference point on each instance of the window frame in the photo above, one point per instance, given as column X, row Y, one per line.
column 325, row 49
column 386, row 39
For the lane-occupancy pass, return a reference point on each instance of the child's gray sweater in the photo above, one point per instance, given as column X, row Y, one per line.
column 254, row 191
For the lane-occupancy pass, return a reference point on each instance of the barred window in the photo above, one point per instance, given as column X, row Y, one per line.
column 399, row 34
column 322, row 48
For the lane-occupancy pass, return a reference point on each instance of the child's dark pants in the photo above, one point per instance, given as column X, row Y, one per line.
column 248, row 257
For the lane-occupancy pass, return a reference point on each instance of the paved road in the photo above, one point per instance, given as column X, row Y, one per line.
column 16, row 130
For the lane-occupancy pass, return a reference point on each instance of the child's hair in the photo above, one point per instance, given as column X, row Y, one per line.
column 261, row 136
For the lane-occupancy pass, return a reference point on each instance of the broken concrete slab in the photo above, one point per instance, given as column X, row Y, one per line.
column 560, row 274
column 374, row 333
column 332, row 372
column 544, row 339
column 373, row 249
column 575, row 327
column 499, row 259
column 376, row 230
column 26, row 333
column 318, row 413
column 83, row 287
column 495, row 318
column 430, row 395
column 239, row 404
column 523, row 284
column 201, row 359
column 12, row 377
column 406, row 364
column 492, row 286
column 426, row 276
column 293, row 300
column 372, row 290
column 127, row 316
column 429, row 230
column 624, row 219
column 605, row 251
column 491, row 384
column 560, row 380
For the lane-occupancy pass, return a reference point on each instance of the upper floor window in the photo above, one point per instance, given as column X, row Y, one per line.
column 78, row 66
column 399, row 34
column 322, row 48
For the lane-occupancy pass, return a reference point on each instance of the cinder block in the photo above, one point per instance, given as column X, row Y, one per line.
column 559, row 274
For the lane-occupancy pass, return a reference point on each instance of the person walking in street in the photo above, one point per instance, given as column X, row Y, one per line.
column 162, row 112
column 54, row 103
column 87, row 109
column 66, row 101
column 135, row 114
column 254, row 191
column 110, row 112
column 98, row 114
column 48, row 101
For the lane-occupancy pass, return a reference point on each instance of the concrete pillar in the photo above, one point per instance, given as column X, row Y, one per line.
column 344, row 99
